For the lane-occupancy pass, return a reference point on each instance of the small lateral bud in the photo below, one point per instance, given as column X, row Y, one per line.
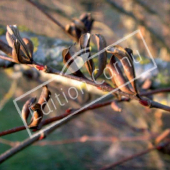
column 41, row 67
column 42, row 136
column 115, row 107
column 145, row 102
column 69, row 110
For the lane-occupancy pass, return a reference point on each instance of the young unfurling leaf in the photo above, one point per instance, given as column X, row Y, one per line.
column 22, row 51
column 44, row 97
column 85, row 40
column 10, row 39
column 87, row 20
column 84, row 44
column 133, row 83
column 79, row 26
column 130, row 52
column 68, row 28
column 29, row 45
column 37, row 116
column 117, row 76
column 127, row 63
column 14, row 34
column 26, row 108
column 102, row 57
column 70, row 63
column 16, row 52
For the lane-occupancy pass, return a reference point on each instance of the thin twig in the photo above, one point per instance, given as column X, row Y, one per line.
column 146, row 7
column 150, row 10
column 50, row 17
column 156, row 91
column 86, row 138
column 158, row 147
column 6, row 58
column 45, row 13
column 55, row 10
column 117, row 7
column 7, row 142
column 13, row 130
column 95, row 139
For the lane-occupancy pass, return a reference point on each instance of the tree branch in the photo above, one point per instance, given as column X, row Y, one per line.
column 104, row 86
column 43, row 133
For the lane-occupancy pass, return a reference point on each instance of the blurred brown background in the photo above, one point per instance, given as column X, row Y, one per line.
column 113, row 19
column 133, row 126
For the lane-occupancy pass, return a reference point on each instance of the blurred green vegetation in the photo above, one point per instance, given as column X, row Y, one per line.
column 35, row 43
column 2, row 30
column 23, row 28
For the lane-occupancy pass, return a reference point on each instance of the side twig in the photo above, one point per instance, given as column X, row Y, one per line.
column 56, row 118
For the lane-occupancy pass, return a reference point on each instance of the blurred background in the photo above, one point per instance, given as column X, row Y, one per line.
column 98, row 137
